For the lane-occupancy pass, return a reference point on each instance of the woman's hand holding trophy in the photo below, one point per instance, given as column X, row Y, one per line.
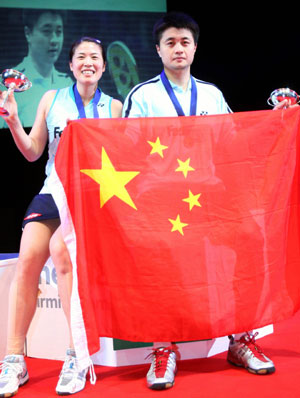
column 13, row 80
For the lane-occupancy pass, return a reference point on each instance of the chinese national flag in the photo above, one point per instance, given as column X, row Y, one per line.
column 180, row 228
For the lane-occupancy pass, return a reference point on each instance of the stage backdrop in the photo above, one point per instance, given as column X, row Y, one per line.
column 124, row 28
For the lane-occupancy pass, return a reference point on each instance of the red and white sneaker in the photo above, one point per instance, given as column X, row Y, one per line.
column 247, row 354
column 161, row 374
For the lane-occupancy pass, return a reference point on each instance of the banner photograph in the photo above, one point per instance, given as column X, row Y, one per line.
column 37, row 43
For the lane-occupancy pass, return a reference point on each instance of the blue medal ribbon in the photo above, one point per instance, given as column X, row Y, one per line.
column 80, row 105
column 177, row 106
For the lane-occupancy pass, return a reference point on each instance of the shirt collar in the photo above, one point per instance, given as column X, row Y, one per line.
column 33, row 72
column 179, row 89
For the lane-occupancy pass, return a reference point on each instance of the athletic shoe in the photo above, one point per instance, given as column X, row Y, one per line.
column 13, row 375
column 246, row 353
column 71, row 379
column 161, row 374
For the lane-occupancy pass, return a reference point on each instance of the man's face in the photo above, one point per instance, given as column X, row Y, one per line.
column 176, row 48
column 46, row 38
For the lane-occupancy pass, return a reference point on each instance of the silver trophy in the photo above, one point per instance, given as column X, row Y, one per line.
column 281, row 94
column 13, row 80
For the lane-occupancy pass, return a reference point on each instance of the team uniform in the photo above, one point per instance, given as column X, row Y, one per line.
column 63, row 107
column 150, row 99
column 28, row 100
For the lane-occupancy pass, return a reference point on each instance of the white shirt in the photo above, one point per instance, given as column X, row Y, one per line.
column 63, row 108
column 150, row 99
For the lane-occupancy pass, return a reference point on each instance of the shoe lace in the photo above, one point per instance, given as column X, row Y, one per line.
column 8, row 368
column 70, row 365
column 161, row 356
column 249, row 340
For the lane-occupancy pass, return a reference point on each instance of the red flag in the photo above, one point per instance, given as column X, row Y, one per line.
column 181, row 228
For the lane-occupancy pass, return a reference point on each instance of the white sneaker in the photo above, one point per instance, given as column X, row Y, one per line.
column 71, row 379
column 13, row 375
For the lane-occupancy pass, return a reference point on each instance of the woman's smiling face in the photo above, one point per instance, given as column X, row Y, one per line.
column 87, row 63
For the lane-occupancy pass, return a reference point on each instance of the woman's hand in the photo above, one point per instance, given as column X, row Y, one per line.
column 7, row 97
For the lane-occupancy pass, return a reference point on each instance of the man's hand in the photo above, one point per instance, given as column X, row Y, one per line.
column 286, row 103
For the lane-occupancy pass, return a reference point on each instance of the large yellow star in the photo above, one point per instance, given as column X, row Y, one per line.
column 192, row 200
column 157, row 147
column 177, row 225
column 184, row 166
column 112, row 182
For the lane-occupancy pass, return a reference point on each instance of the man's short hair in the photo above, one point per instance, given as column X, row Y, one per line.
column 177, row 20
column 30, row 16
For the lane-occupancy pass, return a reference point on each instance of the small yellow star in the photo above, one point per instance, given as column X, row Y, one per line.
column 184, row 166
column 112, row 182
column 192, row 200
column 177, row 225
column 157, row 147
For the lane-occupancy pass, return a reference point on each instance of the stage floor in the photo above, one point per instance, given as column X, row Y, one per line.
column 210, row 377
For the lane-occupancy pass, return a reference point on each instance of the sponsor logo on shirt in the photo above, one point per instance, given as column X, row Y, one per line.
column 57, row 132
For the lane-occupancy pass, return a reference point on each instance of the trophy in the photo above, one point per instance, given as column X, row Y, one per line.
column 13, row 81
column 281, row 94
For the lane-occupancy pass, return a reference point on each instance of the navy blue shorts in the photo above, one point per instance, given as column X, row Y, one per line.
column 42, row 207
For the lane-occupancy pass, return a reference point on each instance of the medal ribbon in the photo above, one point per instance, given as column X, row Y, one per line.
column 177, row 106
column 80, row 105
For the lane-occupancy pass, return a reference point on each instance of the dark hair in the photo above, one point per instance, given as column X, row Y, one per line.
column 177, row 20
column 30, row 16
column 89, row 39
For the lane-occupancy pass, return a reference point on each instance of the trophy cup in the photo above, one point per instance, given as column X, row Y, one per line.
column 281, row 94
column 13, row 81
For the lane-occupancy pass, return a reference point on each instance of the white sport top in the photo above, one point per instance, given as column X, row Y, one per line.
column 150, row 99
column 63, row 108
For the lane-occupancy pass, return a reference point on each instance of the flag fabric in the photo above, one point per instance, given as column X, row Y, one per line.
column 180, row 229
